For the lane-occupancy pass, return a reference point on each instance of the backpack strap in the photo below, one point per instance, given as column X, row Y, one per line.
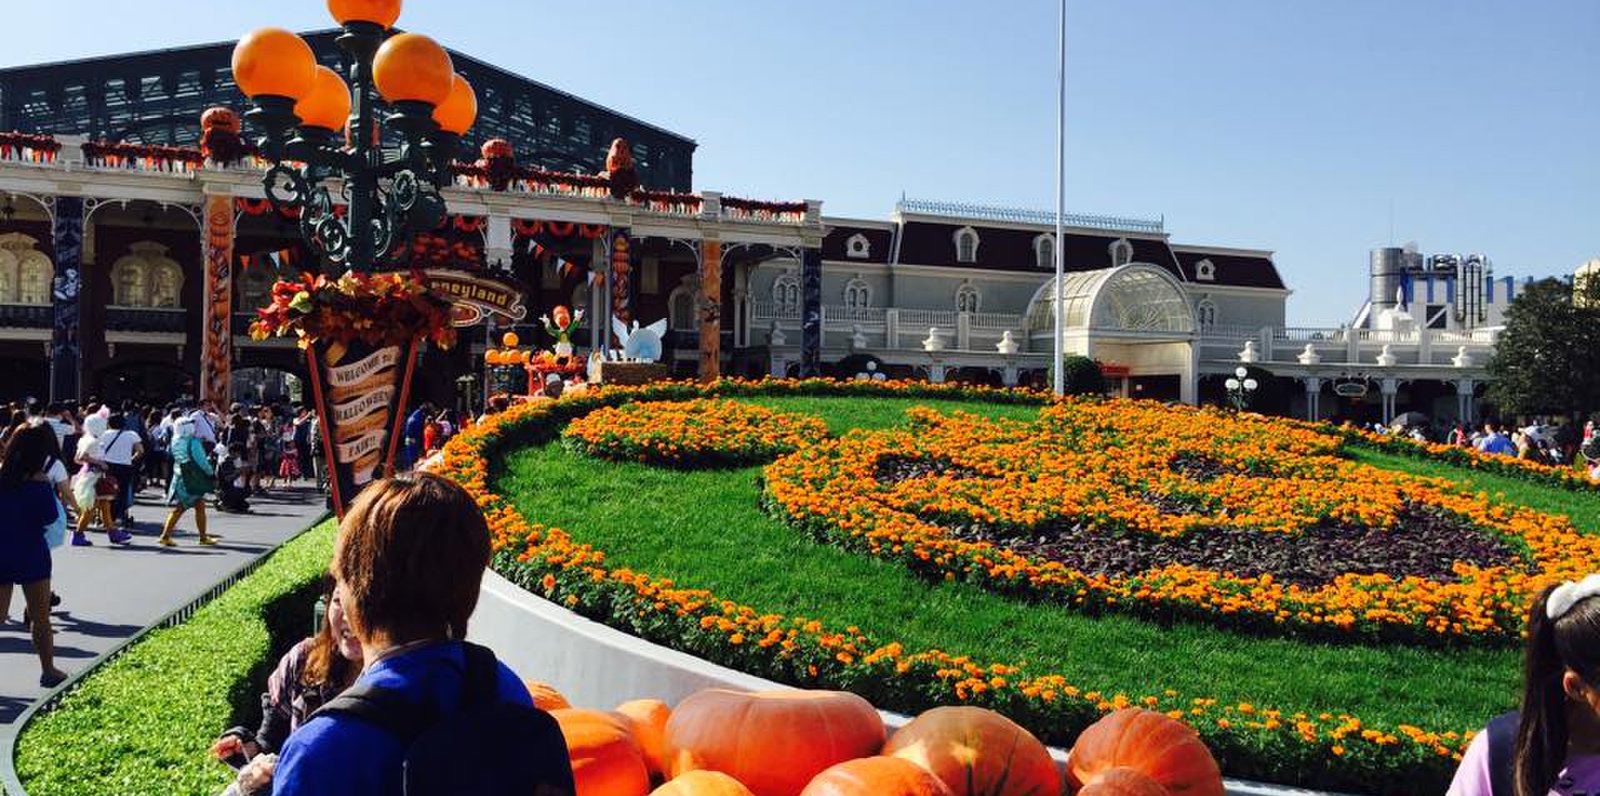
column 385, row 708
column 1502, row 752
column 480, row 683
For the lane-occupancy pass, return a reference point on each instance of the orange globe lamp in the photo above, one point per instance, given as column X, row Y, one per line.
column 510, row 340
column 272, row 62
column 411, row 67
column 327, row 107
column 382, row 13
column 459, row 110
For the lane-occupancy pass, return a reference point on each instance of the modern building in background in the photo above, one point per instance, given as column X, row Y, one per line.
column 156, row 97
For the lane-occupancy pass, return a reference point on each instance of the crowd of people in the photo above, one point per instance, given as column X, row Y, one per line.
column 1557, row 442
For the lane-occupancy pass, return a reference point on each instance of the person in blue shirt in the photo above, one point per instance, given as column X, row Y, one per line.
column 29, row 503
column 411, row 434
column 407, row 565
column 1495, row 441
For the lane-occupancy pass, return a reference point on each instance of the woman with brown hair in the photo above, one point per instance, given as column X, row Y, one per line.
column 28, row 503
column 408, row 563
column 1551, row 746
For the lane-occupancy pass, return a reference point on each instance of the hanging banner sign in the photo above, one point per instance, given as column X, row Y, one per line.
column 360, row 393
column 476, row 297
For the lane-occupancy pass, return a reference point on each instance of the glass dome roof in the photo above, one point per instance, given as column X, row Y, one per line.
column 1132, row 298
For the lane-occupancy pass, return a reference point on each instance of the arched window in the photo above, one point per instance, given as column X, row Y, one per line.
column 786, row 293
column 255, row 288
column 129, row 283
column 857, row 294
column 33, row 279
column 146, row 277
column 1044, row 250
column 1205, row 313
column 968, row 298
column 966, row 240
column 1121, row 252
column 680, row 307
column 1205, row 271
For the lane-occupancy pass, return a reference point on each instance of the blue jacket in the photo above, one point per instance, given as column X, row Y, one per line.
column 345, row 756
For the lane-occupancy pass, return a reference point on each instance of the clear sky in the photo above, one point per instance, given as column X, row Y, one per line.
column 1308, row 127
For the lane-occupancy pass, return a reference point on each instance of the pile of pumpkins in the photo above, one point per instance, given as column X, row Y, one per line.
column 832, row 743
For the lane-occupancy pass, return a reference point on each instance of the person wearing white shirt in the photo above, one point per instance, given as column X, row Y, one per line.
column 120, row 448
column 205, row 423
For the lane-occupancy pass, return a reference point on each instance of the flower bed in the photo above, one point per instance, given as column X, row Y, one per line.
column 1513, row 467
column 1326, row 749
column 695, row 434
column 1127, row 505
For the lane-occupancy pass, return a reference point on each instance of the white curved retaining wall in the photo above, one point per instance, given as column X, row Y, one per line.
column 596, row 666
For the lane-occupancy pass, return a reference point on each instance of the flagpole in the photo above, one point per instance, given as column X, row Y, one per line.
column 1060, row 241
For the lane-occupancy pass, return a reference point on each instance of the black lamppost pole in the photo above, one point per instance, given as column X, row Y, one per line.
column 300, row 107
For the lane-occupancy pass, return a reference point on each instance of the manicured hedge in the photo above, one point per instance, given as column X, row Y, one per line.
column 142, row 724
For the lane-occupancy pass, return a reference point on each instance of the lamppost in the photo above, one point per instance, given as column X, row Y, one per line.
column 301, row 107
column 1241, row 387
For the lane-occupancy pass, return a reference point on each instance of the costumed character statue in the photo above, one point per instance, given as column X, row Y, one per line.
column 641, row 343
column 620, row 170
column 560, row 324
column 220, row 140
column 499, row 163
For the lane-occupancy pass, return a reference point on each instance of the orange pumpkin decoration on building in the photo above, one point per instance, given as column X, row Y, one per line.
column 878, row 776
column 702, row 783
column 774, row 742
column 977, row 752
column 1161, row 748
column 606, row 761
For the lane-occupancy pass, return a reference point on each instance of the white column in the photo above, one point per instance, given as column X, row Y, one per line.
column 1389, row 387
column 891, row 325
column 936, row 373
column 497, row 242
column 1464, row 407
column 963, row 331
column 1313, row 397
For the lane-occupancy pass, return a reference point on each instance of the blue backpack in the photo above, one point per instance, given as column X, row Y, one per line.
column 485, row 748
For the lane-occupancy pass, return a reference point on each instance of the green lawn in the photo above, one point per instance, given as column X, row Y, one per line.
column 705, row 529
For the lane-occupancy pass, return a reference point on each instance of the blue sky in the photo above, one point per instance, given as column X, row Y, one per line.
column 1298, row 126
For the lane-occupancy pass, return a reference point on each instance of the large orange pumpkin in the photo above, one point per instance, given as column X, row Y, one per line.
column 1161, row 748
column 877, row 776
column 606, row 761
column 1123, row 782
column 648, row 720
column 774, row 741
column 702, row 783
column 545, row 696
column 977, row 752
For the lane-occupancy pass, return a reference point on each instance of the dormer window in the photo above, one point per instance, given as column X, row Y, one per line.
column 857, row 294
column 966, row 240
column 1205, row 271
column 1121, row 252
column 858, row 247
column 1044, row 251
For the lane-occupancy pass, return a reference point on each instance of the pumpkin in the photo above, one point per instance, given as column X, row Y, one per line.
column 648, row 720
column 1123, row 782
column 545, row 696
column 977, row 752
column 606, row 761
column 1161, row 748
column 702, row 783
column 774, row 741
column 877, row 776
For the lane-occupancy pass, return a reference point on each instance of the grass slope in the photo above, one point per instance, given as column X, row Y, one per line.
column 142, row 724
column 705, row 529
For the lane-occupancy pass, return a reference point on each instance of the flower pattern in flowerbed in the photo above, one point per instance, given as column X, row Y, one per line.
column 1329, row 749
column 1174, row 512
column 693, row 434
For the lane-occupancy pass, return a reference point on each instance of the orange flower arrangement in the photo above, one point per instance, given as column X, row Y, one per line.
column 1101, row 463
column 389, row 308
column 1285, row 746
column 694, row 434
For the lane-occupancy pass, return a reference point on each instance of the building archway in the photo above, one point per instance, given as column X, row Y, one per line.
column 157, row 383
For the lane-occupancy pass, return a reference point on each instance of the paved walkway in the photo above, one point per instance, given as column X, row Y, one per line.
column 109, row 593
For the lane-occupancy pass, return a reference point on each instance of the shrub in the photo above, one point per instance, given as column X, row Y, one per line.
column 1082, row 376
column 142, row 723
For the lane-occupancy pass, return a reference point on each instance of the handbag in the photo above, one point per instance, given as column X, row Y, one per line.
column 107, row 486
column 55, row 534
column 196, row 482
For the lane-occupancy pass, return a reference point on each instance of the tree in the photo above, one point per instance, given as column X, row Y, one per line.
column 1082, row 376
column 1547, row 361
